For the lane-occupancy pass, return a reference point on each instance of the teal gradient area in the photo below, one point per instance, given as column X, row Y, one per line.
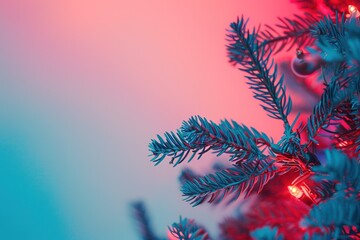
column 85, row 86
column 28, row 208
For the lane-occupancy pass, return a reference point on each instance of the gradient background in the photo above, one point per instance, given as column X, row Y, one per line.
column 85, row 85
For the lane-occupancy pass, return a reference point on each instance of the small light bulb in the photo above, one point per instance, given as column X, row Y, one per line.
column 295, row 191
column 353, row 11
column 344, row 144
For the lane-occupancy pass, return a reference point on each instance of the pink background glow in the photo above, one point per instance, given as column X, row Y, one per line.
column 84, row 87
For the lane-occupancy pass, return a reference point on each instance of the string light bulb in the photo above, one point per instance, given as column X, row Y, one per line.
column 344, row 143
column 303, row 192
column 353, row 11
column 295, row 191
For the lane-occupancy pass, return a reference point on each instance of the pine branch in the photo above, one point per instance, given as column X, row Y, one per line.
column 323, row 188
column 331, row 38
column 343, row 209
column 353, row 40
column 186, row 174
column 322, row 111
column 342, row 170
column 330, row 29
column 244, row 49
column 290, row 141
column 174, row 146
column 141, row 217
column 260, row 138
column 198, row 136
column 293, row 32
column 348, row 131
column 242, row 143
column 187, row 230
column 335, row 213
column 240, row 179
column 341, row 89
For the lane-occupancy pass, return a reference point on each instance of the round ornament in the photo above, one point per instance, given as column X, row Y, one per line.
column 305, row 64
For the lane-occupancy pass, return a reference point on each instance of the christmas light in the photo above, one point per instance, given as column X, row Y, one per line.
column 344, row 144
column 353, row 11
column 295, row 191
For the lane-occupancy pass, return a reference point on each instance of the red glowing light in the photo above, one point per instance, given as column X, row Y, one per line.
column 353, row 11
column 295, row 191
column 344, row 144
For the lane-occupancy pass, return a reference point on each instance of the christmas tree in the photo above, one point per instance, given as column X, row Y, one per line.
column 307, row 185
